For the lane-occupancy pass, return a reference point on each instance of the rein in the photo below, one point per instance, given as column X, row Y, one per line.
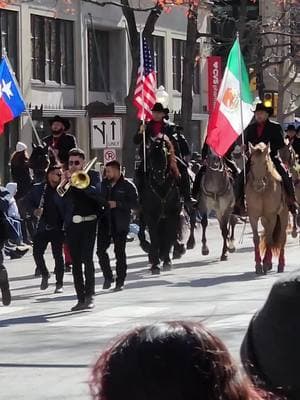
column 219, row 194
column 163, row 200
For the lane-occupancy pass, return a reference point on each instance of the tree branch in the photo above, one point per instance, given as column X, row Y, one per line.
column 152, row 19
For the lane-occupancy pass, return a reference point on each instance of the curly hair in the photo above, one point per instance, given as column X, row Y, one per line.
column 170, row 361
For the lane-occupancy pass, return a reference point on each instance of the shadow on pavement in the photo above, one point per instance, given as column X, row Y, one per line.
column 24, row 365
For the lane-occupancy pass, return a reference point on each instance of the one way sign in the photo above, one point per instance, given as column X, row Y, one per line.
column 106, row 132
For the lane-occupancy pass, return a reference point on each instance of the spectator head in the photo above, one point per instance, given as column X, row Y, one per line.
column 59, row 124
column 20, row 155
column 270, row 351
column 76, row 160
column 12, row 188
column 21, row 147
column 168, row 361
column 113, row 170
column 291, row 130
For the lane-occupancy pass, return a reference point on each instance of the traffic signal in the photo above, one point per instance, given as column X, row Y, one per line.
column 268, row 99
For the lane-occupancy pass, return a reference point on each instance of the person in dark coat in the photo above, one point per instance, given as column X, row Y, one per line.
column 4, row 283
column 48, row 207
column 157, row 128
column 121, row 197
column 270, row 133
column 270, row 351
column 293, row 138
column 59, row 141
column 20, row 171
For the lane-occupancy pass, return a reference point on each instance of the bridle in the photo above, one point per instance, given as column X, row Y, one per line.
column 259, row 184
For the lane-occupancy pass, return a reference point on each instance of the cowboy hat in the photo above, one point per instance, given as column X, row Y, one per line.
column 64, row 121
column 291, row 128
column 270, row 351
column 262, row 107
column 158, row 107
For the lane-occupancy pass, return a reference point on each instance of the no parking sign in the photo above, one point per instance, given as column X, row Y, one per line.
column 109, row 155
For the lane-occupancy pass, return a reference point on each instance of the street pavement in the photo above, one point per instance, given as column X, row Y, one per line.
column 46, row 351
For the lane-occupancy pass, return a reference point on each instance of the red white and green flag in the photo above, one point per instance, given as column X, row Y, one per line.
column 234, row 105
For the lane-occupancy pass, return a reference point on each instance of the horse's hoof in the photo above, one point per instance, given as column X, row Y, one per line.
column 155, row 270
column 181, row 249
column 190, row 244
column 231, row 249
column 167, row 266
column 265, row 269
column 280, row 269
column 268, row 266
column 176, row 255
column 258, row 269
column 294, row 233
column 205, row 251
column 145, row 246
column 224, row 257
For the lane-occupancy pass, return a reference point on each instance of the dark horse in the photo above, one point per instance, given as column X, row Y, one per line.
column 161, row 205
column 39, row 161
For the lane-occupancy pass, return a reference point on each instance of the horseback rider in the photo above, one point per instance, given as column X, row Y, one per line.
column 270, row 133
column 158, row 127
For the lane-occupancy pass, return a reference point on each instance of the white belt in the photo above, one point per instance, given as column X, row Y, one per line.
column 77, row 219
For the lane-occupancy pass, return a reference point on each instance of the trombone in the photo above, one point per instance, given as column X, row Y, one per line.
column 79, row 179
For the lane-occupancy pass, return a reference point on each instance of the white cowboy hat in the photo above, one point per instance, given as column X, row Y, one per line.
column 21, row 146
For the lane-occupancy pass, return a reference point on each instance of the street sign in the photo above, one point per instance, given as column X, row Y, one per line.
column 109, row 155
column 106, row 132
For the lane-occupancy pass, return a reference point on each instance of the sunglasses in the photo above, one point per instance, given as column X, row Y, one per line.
column 74, row 162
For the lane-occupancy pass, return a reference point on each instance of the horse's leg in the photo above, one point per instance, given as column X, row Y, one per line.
column 224, row 229
column 232, row 224
column 267, row 261
column 281, row 260
column 294, row 228
column 204, row 223
column 170, row 225
column 254, row 227
column 191, row 241
column 145, row 245
column 154, row 246
column 179, row 247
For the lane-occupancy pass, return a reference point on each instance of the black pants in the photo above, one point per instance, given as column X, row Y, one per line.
column 40, row 243
column 103, row 243
column 2, row 242
column 81, row 240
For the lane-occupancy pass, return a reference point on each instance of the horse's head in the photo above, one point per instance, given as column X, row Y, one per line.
column 215, row 163
column 39, row 158
column 288, row 155
column 158, row 159
column 259, row 163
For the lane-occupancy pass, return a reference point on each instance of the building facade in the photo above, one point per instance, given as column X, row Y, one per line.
column 69, row 56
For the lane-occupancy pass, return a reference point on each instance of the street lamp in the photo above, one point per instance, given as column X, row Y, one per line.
column 162, row 96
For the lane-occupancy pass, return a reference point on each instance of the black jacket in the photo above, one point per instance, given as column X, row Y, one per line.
column 125, row 194
column 4, row 204
column 65, row 143
column 21, row 175
column 272, row 134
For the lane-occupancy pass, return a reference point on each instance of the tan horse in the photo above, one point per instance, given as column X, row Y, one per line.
column 266, row 201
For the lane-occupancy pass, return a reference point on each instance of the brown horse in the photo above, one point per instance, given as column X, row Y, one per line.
column 266, row 201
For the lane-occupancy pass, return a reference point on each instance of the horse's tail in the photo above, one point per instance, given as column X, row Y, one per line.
column 276, row 239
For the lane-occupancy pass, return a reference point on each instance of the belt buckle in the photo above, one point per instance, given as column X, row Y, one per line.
column 77, row 219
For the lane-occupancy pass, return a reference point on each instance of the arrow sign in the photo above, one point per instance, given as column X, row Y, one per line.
column 102, row 132
column 113, row 124
column 106, row 132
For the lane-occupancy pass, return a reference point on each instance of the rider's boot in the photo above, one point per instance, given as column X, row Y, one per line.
column 291, row 197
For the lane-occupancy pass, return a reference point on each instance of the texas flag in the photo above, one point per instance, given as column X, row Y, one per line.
column 11, row 101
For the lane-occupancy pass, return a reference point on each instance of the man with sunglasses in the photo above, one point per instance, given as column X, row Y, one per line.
column 49, row 209
column 84, row 206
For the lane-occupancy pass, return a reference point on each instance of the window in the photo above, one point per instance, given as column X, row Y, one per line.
column 196, row 78
column 159, row 59
column 98, row 45
column 52, row 50
column 177, row 58
column 8, row 36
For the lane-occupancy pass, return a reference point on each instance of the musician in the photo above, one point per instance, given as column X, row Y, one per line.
column 121, row 196
column 84, row 206
column 4, row 283
column 59, row 141
column 49, row 209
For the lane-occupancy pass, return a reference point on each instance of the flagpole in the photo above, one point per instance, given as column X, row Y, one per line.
column 143, row 108
column 241, row 106
column 4, row 55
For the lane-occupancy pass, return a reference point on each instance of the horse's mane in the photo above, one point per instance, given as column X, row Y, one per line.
column 260, row 148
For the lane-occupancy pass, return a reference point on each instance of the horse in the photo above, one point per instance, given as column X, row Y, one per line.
column 39, row 161
column 265, row 199
column 214, row 190
column 160, row 202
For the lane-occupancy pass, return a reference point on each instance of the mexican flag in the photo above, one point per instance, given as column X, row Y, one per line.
column 225, row 122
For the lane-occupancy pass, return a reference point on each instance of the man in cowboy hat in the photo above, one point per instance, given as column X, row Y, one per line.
column 157, row 128
column 293, row 138
column 59, row 141
column 270, row 133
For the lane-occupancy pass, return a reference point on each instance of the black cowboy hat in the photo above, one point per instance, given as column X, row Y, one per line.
column 270, row 351
column 158, row 107
column 291, row 128
column 64, row 121
column 262, row 107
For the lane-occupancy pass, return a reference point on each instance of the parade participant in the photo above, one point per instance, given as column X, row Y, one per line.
column 121, row 196
column 84, row 206
column 270, row 133
column 46, row 205
column 59, row 141
column 4, row 283
column 158, row 128
column 270, row 351
column 290, row 133
column 170, row 360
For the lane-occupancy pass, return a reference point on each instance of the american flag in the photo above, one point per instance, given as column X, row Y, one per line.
column 144, row 95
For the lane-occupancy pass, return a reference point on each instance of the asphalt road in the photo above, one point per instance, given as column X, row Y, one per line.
column 46, row 351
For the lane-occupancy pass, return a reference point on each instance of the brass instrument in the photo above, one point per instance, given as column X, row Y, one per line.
column 79, row 179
